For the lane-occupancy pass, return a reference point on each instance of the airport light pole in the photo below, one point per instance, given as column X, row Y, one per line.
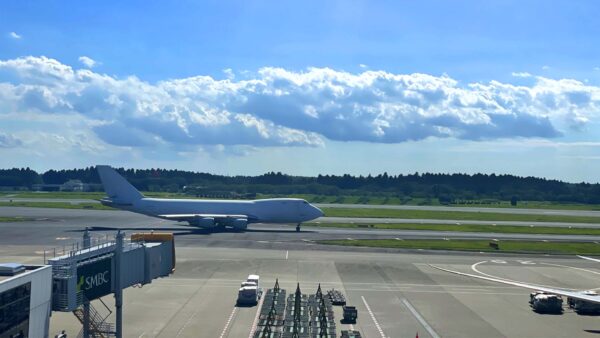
column 86, row 302
column 118, row 285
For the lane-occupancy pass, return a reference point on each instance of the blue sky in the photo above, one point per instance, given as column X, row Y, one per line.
column 305, row 87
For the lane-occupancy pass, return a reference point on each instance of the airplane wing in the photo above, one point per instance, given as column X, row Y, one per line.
column 589, row 258
column 573, row 294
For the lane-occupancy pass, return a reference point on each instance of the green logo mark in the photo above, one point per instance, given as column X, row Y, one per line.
column 80, row 283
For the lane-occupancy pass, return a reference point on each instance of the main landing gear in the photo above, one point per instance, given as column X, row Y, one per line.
column 298, row 227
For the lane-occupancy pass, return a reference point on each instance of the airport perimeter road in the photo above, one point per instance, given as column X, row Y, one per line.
column 58, row 227
column 589, row 213
column 397, row 295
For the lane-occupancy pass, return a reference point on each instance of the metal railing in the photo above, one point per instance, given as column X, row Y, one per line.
column 69, row 250
column 98, row 326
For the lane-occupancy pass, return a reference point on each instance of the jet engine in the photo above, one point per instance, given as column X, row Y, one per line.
column 239, row 224
column 203, row 222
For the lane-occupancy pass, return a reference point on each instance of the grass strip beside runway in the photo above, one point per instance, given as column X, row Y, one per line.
column 60, row 205
column 504, row 229
column 13, row 219
column 509, row 246
column 453, row 215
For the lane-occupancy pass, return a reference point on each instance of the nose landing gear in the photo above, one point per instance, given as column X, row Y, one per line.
column 298, row 227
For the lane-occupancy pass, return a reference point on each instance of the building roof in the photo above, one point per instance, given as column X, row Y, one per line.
column 19, row 268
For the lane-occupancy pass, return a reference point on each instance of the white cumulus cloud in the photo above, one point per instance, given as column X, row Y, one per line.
column 87, row 61
column 14, row 35
column 521, row 74
column 278, row 107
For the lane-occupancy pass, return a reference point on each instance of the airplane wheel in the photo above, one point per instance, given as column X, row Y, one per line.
column 298, row 228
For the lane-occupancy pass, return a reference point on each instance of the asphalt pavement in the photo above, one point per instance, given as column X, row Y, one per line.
column 396, row 292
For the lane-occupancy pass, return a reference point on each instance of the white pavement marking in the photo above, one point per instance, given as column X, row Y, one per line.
column 474, row 268
column 373, row 317
column 420, row 318
column 286, row 254
column 255, row 323
column 228, row 322
column 526, row 262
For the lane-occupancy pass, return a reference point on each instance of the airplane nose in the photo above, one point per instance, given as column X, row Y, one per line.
column 318, row 212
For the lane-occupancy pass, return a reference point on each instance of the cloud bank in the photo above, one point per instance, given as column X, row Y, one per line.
column 9, row 141
column 278, row 107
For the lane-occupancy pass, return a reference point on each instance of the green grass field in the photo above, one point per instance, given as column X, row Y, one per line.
column 453, row 215
column 80, row 195
column 13, row 219
column 507, row 229
column 566, row 248
column 377, row 200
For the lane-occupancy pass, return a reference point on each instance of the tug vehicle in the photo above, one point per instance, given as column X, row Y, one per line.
column 543, row 302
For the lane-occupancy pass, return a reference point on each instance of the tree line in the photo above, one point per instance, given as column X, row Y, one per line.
column 447, row 188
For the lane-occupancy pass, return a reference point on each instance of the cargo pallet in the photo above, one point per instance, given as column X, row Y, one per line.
column 298, row 315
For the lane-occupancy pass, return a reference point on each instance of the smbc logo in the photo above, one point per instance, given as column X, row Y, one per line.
column 89, row 282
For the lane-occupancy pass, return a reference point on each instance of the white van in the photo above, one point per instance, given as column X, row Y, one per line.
column 249, row 292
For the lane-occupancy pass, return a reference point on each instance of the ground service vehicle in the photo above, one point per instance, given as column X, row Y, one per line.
column 350, row 334
column 350, row 314
column 583, row 307
column 249, row 292
column 543, row 302
column 337, row 298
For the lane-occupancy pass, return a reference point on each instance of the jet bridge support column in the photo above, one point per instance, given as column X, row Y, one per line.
column 86, row 303
column 119, row 285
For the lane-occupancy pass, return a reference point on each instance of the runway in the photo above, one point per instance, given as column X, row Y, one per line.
column 396, row 292
column 51, row 227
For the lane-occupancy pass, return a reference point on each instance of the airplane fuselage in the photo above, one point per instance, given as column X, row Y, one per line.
column 275, row 210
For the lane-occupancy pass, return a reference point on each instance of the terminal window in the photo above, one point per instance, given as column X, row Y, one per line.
column 14, row 312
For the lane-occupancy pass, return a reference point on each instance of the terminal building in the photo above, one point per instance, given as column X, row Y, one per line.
column 25, row 300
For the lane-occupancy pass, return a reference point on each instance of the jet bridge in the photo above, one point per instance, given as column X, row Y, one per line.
column 84, row 274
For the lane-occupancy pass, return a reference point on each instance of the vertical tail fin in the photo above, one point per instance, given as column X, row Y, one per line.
column 116, row 186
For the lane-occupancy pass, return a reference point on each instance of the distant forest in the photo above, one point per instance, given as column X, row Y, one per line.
column 447, row 188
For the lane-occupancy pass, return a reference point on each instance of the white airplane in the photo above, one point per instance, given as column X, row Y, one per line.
column 205, row 213
column 587, row 296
